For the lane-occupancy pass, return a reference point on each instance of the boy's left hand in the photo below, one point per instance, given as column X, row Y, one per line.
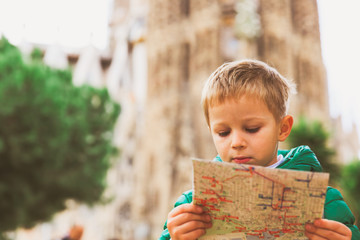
column 327, row 229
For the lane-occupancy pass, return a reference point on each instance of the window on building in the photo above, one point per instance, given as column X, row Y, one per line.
column 185, row 7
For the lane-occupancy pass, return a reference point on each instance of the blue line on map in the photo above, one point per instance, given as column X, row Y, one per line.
column 318, row 196
column 308, row 180
column 262, row 196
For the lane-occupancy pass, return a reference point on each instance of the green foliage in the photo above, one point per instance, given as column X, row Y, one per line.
column 316, row 137
column 350, row 183
column 55, row 140
column 36, row 54
column 3, row 236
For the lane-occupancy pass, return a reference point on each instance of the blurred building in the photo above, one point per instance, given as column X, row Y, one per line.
column 160, row 54
column 182, row 41
column 186, row 41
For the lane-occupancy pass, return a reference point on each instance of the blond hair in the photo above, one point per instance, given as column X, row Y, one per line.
column 248, row 77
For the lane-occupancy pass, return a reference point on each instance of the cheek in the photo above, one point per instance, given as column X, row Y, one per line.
column 214, row 137
column 222, row 151
column 220, row 144
column 266, row 137
column 217, row 139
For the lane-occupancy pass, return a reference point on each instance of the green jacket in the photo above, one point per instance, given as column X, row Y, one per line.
column 299, row 158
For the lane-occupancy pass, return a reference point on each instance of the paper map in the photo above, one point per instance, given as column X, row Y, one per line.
column 251, row 202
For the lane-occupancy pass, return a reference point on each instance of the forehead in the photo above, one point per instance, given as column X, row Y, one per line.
column 246, row 107
column 241, row 100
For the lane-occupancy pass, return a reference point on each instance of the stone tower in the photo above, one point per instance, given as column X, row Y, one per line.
column 291, row 43
column 185, row 41
column 182, row 49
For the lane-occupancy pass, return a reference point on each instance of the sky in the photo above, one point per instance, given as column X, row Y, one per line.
column 72, row 23
column 77, row 23
column 340, row 40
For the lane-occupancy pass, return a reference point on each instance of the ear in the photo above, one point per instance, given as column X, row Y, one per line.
column 285, row 127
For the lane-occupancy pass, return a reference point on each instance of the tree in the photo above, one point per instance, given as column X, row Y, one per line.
column 350, row 183
column 316, row 137
column 55, row 140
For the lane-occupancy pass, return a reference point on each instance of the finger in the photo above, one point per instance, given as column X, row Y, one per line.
column 334, row 226
column 321, row 233
column 194, row 225
column 313, row 236
column 194, row 234
column 187, row 217
column 192, row 229
column 186, row 208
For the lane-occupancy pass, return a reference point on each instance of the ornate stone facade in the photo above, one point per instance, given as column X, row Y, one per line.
column 187, row 40
column 182, row 50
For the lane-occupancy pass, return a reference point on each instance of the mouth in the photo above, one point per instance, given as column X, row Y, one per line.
column 241, row 160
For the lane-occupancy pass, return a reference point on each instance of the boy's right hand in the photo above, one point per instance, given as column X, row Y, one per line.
column 188, row 221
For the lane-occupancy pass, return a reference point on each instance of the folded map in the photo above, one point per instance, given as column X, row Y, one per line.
column 253, row 202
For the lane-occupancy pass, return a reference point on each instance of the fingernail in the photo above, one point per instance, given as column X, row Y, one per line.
column 199, row 209
column 317, row 222
column 309, row 227
column 208, row 218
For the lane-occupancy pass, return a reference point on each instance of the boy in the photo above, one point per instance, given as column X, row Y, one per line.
column 245, row 105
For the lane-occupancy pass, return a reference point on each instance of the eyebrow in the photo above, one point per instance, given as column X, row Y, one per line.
column 247, row 119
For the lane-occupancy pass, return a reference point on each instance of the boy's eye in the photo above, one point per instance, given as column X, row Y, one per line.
column 223, row 134
column 252, row 130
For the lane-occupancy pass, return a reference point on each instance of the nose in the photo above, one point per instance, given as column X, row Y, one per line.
column 238, row 140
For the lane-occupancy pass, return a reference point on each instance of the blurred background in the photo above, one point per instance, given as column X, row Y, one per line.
column 101, row 112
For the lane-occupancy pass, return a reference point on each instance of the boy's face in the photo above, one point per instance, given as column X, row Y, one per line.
column 245, row 131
